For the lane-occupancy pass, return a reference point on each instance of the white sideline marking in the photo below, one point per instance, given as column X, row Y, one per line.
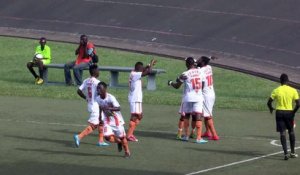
column 236, row 163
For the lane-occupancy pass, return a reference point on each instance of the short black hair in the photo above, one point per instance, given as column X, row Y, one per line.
column 102, row 84
column 190, row 61
column 284, row 78
column 205, row 59
column 83, row 35
column 138, row 64
column 92, row 69
column 43, row 38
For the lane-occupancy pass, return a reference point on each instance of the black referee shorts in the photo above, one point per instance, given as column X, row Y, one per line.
column 284, row 120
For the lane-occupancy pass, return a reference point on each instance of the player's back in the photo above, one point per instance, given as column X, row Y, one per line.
column 89, row 88
column 192, row 91
column 135, row 87
column 208, row 88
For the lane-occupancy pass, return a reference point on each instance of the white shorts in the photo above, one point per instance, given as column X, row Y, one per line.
column 208, row 106
column 191, row 108
column 94, row 118
column 136, row 108
column 117, row 131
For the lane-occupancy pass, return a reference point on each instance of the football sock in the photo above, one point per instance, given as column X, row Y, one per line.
column 131, row 128
column 125, row 145
column 199, row 129
column 283, row 142
column 85, row 132
column 292, row 141
column 101, row 134
column 41, row 73
column 211, row 127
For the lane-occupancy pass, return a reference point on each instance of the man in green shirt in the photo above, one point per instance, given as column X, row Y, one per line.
column 42, row 57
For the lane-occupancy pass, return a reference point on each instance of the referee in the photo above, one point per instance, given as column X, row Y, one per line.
column 284, row 96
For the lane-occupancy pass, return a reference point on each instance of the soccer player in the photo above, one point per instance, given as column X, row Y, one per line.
column 135, row 96
column 84, row 54
column 193, row 80
column 110, row 113
column 209, row 97
column 284, row 96
column 88, row 91
column 45, row 51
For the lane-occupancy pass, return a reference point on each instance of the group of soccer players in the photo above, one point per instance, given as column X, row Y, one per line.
column 104, row 109
column 197, row 100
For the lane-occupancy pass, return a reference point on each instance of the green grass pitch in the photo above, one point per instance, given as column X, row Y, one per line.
column 37, row 123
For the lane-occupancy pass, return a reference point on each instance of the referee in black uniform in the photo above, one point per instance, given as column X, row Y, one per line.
column 284, row 96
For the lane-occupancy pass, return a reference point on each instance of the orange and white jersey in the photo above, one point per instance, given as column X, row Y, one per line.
column 89, row 88
column 116, row 118
column 208, row 89
column 135, row 87
column 192, row 91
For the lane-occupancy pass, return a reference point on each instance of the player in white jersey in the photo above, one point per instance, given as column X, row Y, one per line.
column 88, row 91
column 209, row 97
column 135, row 96
column 112, row 118
column 192, row 97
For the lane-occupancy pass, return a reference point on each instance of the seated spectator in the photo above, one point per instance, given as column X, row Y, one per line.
column 41, row 57
column 84, row 52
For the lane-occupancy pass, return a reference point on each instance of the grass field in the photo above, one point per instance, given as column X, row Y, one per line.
column 37, row 123
column 37, row 140
column 234, row 90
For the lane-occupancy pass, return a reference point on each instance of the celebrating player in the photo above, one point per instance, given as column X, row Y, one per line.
column 88, row 91
column 110, row 113
column 135, row 96
column 192, row 97
column 209, row 97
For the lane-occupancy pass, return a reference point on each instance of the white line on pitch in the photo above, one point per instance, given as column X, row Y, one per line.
column 236, row 163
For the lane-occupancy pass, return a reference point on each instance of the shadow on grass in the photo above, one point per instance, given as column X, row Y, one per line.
column 66, row 153
column 35, row 167
column 148, row 134
column 240, row 153
column 264, row 137
column 66, row 143
column 232, row 152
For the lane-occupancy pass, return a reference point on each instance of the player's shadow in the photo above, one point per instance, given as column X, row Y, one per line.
column 159, row 135
column 66, row 143
column 69, row 168
column 264, row 137
column 232, row 152
column 74, row 153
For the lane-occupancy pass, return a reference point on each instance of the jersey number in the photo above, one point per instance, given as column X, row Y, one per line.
column 209, row 80
column 89, row 89
column 196, row 83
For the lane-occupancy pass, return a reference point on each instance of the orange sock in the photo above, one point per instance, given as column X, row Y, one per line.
column 199, row 129
column 211, row 126
column 132, row 126
column 101, row 134
column 125, row 145
column 85, row 132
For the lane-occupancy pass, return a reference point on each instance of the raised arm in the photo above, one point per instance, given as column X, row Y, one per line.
column 148, row 68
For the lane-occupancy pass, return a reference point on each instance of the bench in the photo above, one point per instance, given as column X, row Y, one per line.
column 114, row 74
